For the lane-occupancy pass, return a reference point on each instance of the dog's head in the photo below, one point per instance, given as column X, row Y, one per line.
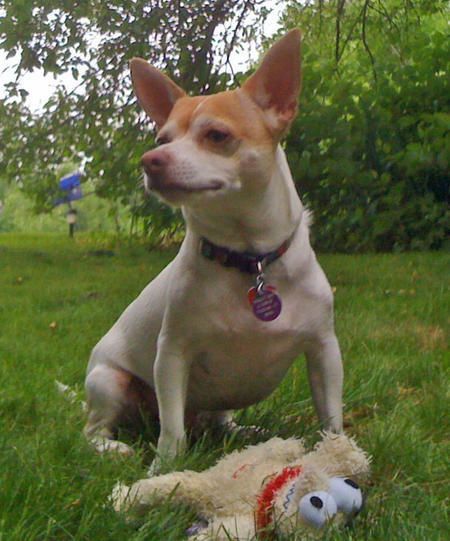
column 214, row 146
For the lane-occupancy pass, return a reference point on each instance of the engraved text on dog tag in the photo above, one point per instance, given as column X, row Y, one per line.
column 266, row 304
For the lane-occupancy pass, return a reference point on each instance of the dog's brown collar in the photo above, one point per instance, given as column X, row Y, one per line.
column 246, row 262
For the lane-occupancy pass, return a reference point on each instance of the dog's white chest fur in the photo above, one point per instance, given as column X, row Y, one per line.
column 237, row 359
column 201, row 309
column 240, row 369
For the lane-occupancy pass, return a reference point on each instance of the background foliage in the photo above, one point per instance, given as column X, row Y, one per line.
column 371, row 146
column 370, row 149
column 98, row 123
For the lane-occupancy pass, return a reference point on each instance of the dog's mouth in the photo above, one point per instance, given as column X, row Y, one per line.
column 179, row 188
column 213, row 186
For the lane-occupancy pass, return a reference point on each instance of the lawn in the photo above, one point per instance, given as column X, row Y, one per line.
column 57, row 298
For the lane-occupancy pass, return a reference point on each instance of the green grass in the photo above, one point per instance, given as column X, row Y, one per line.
column 57, row 299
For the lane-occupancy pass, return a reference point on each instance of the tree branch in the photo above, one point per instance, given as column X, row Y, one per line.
column 234, row 37
column 350, row 33
column 364, row 39
column 339, row 15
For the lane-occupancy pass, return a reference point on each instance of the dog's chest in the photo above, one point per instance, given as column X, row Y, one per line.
column 238, row 359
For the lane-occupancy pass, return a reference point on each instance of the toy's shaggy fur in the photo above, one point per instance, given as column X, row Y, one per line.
column 227, row 494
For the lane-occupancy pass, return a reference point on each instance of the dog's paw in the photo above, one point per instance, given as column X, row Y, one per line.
column 105, row 445
column 155, row 467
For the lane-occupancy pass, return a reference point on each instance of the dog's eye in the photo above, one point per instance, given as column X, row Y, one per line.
column 347, row 494
column 162, row 140
column 317, row 508
column 217, row 136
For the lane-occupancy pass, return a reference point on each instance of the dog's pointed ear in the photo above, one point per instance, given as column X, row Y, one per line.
column 155, row 92
column 275, row 85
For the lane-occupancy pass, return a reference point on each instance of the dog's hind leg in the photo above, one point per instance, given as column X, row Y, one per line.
column 115, row 397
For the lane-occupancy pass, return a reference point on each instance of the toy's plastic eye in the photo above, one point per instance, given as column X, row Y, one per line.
column 316, row 508
column 347, row 494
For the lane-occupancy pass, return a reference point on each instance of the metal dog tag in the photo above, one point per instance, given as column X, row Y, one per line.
column 266, row 304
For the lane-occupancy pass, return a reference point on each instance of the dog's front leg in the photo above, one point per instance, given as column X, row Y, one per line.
column 171, row 375
column 325, row 375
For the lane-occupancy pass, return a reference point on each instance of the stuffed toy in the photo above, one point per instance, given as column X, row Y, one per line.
column 273, row 487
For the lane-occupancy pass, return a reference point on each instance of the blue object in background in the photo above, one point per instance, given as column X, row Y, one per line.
column 71, row 184
column 75, row 193
column 70, row 181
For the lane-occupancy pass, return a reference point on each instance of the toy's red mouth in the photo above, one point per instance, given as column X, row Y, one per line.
column 264, row 511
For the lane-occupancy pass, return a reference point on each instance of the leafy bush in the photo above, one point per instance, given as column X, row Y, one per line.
column 370, row 148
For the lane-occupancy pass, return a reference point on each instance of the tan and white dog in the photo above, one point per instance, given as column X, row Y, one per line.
column 195, row 341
